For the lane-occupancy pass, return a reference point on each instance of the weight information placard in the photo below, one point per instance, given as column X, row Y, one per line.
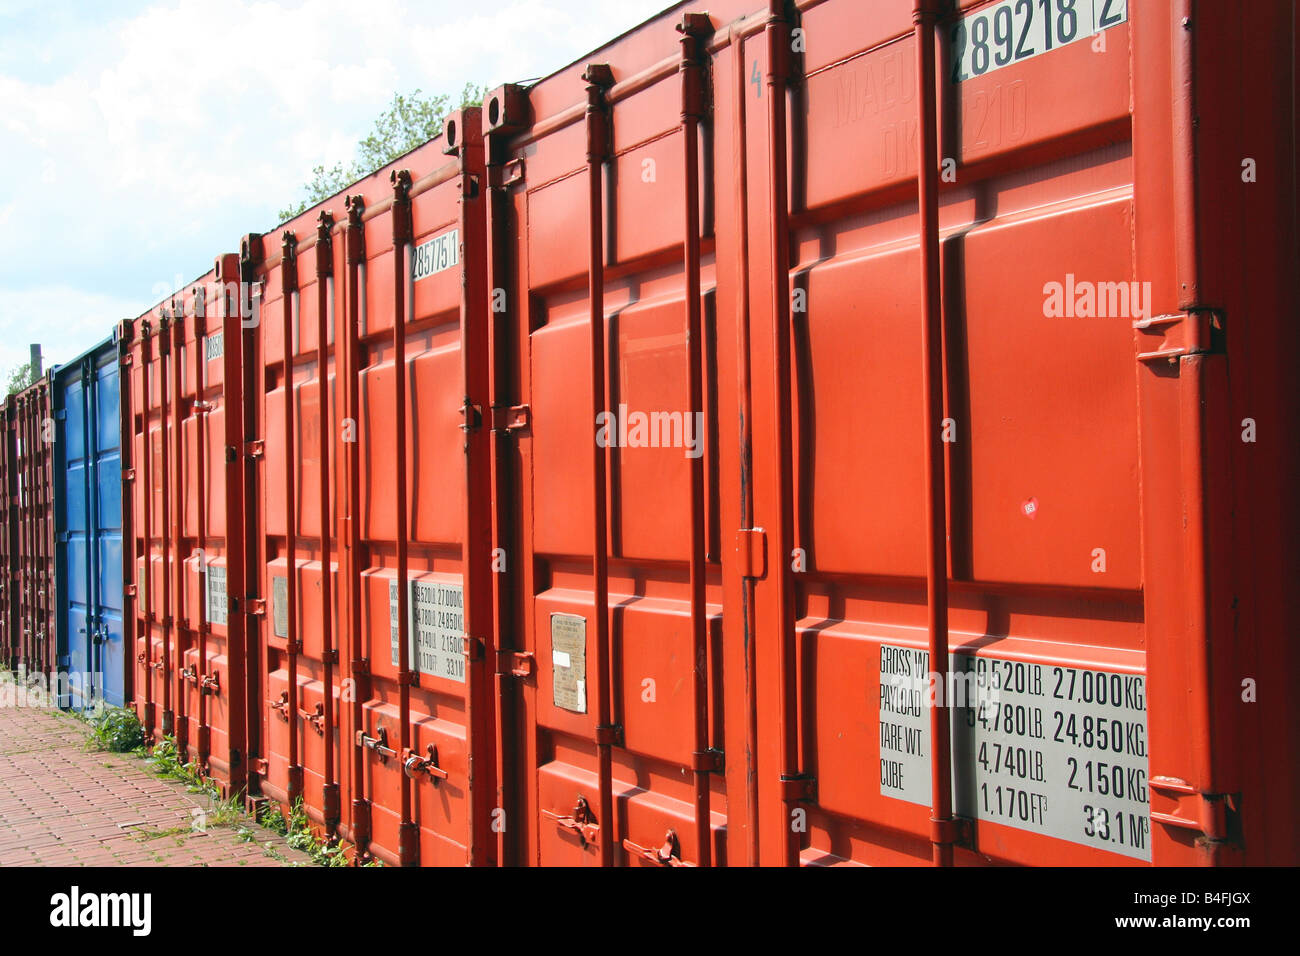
column 217, row 599
column 1017, row 30
column 1048, row 748
column 436, row 628
column 280, row 606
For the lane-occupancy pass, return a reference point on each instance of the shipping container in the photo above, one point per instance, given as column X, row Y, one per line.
column 29, row 433
column 996, row 431
column 366, row 379
column 616, row 478
column 88, row 528
column 10, row 581
column 183, row 407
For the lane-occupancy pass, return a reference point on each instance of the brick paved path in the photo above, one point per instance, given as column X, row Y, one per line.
column 63, row 805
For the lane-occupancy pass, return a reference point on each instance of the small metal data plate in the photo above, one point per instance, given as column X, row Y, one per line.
column 217, row 600
column 280, row 605
column 569, row 662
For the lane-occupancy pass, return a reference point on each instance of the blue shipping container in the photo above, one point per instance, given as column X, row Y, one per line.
column 88, row 527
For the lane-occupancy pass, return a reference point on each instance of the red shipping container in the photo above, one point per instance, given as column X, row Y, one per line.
column 183, row 472
column 371, row 711
column 26, row 467
column 612, row 476
column 999, row 427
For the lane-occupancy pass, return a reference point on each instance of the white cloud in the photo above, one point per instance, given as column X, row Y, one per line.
column 179, row 128
column 64, row 320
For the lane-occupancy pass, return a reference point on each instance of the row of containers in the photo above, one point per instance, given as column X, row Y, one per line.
column 571, row 491
column 61, row 593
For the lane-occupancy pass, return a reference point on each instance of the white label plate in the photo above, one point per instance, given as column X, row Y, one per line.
column 280, row 606
column 437, row 255
column 217, row 599
column 1013, row 31
column 435, row 629
column 1056, row 750
column 569, row 662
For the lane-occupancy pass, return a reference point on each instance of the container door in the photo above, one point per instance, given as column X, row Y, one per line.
column 75, row 540
column 622, row 766
column 1041, row 444
column 107, row 553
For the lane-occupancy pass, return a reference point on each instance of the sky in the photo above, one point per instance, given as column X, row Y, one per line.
column 140, row 140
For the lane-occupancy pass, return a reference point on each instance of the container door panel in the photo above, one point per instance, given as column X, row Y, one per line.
column 108, row 511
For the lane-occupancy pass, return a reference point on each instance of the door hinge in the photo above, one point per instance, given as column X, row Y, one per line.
column 128, row 474
column 751, row 551
column 799, row 786
column 1181, row 333
column 1176, row 803
column 512, row 419
column 520, row 663
column 254, row 449
column 471, row 416
column 708, row 761
column 507, row 175
column 256, row 607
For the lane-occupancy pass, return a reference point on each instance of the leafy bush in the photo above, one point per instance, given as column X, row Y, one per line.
column 116, row 730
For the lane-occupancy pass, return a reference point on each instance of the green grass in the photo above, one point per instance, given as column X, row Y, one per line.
column 299, row 835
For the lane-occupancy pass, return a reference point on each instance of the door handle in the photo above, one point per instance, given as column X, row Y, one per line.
column 666, row 855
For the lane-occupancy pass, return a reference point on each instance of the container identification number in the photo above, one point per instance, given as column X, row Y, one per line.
column 1016, row 30
column 437, row 255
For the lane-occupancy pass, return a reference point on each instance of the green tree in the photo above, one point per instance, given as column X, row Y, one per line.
column 406, row 123
column 20, row 378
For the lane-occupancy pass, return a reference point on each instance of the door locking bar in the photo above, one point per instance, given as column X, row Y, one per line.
column 580, row 821
column 667, row 855
column 378, row 743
